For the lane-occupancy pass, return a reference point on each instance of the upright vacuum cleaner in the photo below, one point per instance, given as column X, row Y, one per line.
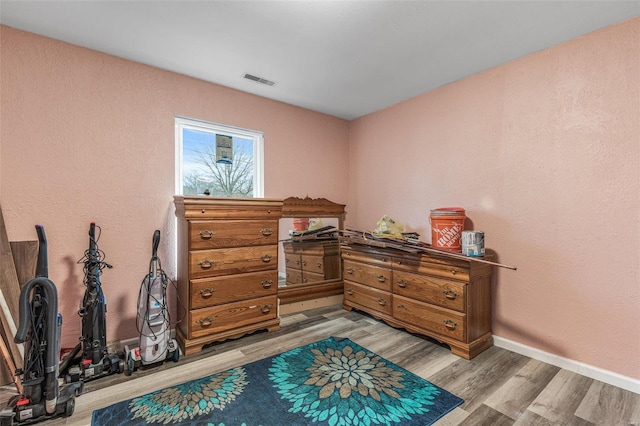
column 95, row 361
column 153, row 321
column 39, row 330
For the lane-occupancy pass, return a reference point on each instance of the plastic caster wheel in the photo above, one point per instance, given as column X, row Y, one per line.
column 176, row 355
column 69, row 407
column 130, row 366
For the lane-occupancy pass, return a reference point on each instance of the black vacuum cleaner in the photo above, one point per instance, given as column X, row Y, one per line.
column 39, row 329
column 95, row 360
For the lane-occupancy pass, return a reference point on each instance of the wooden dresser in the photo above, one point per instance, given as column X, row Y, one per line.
column 227, row 268
column 445, row 298
column 309, row 262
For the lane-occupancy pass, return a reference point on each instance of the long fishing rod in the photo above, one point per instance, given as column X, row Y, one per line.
column 350, row 234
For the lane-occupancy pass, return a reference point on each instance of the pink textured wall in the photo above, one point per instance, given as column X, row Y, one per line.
column 544, row 154
column 89, row 137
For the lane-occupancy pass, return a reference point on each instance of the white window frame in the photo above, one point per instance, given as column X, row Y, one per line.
column 201, row 125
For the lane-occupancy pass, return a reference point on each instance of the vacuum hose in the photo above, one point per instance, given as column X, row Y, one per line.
column 46, row 288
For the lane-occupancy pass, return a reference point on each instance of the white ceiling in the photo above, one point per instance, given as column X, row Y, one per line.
column 342, row 58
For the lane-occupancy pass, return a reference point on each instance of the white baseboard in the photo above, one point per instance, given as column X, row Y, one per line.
column 596, row 373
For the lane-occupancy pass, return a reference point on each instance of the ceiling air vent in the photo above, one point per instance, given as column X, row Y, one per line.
column 259, row 80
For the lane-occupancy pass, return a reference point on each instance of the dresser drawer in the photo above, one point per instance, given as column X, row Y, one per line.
column 368, row 297
column 294, row 276
column 326, row 248
column 210, row 263
column 219, row 290
column 312, row 277
column 439, row 270
column 438, row 291
column 292, row 261
column 220, row 318
column 439, row 320
column 297, row 276
column 375, row 259
column 370, row 275
column 207, row 234
column 312, row 263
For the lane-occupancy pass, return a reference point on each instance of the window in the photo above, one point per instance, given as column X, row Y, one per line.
column 218, row 160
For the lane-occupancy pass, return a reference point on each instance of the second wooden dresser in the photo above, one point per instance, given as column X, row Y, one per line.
column 311, row 261
column 446, row 298
column 227, row 268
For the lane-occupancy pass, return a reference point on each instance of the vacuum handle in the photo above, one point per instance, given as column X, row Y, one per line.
column 92, row 239
column 156, row 242
column 42, row 267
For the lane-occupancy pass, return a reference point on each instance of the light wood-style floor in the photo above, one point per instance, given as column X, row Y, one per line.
column 499, row 387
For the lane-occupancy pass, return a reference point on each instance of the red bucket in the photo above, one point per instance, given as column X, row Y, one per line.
column 447, row 224
column 300, row 224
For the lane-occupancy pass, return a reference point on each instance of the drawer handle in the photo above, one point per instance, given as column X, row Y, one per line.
column 453, row 272
column 350, row 291
column 265, row 309
column 207, row 292
column 266, row 231
column 382, row 278
column 451, row 325
column 206, row 264
column 304, row 263
column 319, row 265
column 349, row 271
column 206, row 234
column 266, row 258
column 403, row 283
column 382, row 302
column 450, row 294
column 403, row 307
column 266, row 283
column 297, row 262
column 205, row 322
column 305, row 280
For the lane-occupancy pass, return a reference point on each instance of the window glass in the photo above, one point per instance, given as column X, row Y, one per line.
column 218, row 160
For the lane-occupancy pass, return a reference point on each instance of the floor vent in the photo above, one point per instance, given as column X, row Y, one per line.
column 259, row 80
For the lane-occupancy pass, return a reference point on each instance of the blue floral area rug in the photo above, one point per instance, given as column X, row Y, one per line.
column 331, row 382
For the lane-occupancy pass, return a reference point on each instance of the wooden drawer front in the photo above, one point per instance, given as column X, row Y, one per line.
column 380, row 260
column 449, row 294
column 311, row 249
column 312, row 264
column 367, row 274
column 439, row 320
column 217, row 291
column 294, row 276
column 247, row 208
column 210, row 263
column 318, row 249
column 220, row 318
column 292, row 261
column 312, row 277
column 368, row 297
column 207, row 234
column 443, row 271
